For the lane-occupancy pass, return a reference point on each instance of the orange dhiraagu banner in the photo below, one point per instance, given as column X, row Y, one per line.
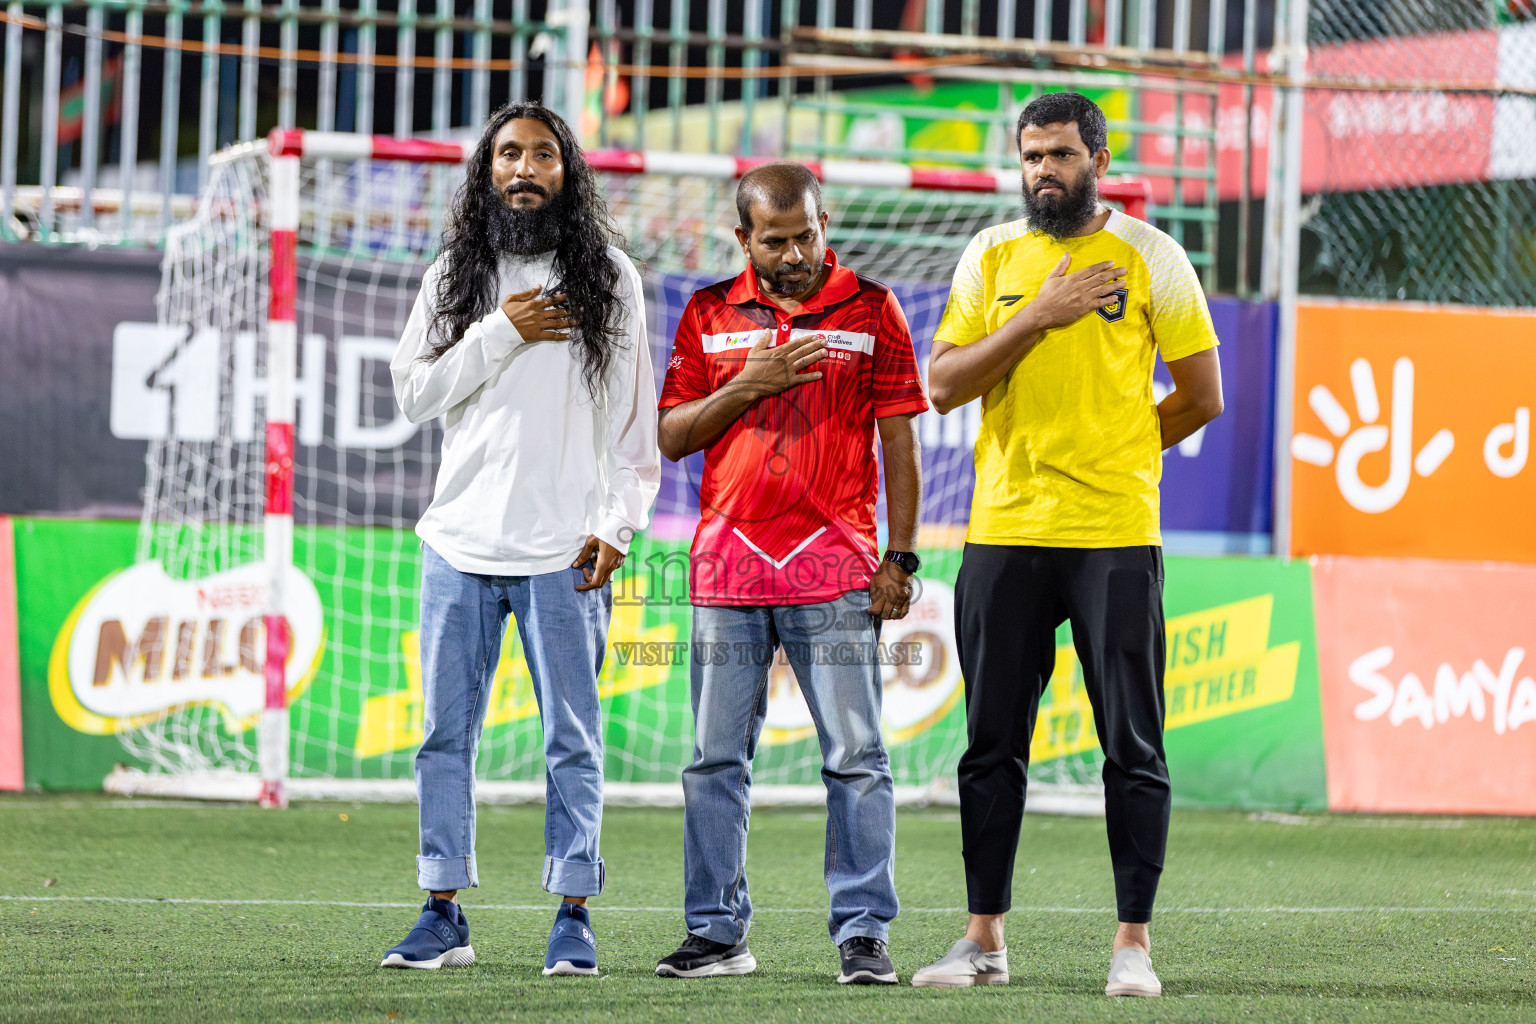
column 1412, row 432
column 1428, row 674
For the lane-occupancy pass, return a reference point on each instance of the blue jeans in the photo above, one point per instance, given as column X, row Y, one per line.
column 564, row 631
column 732, row 651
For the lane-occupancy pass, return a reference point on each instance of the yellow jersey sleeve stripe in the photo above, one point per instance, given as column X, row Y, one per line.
column 1178, row 315
column 965, row 313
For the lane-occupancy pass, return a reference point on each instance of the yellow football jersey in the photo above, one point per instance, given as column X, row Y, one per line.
column 1070, row 451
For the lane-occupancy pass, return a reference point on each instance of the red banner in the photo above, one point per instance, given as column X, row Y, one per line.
column 1352, row 140
column 1429, row 700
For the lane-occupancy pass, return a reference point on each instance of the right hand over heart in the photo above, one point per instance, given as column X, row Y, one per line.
column 769, row 371
column 537, row 317
column 1066, row 298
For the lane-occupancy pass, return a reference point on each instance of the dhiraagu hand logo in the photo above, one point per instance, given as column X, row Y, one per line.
column 1219, row 663
column 1357, row 442
column 142, row 645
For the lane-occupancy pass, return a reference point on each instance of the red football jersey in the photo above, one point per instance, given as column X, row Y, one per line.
column 787, row 498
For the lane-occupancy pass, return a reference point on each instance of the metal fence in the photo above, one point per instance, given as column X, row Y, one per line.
column 110, row 129
column 1422, row 186
column 218, row 72
column 1428, row 192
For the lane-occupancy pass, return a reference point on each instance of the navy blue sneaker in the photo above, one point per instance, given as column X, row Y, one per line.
column 572, row 946
column 440, row 939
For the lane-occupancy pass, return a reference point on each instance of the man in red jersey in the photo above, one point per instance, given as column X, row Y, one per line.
column 783, row 376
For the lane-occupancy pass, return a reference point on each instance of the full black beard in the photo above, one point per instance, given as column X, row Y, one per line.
column 515, row 232
column 1065, row 216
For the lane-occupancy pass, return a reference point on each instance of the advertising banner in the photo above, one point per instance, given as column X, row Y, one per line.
column 1413, row 431
column 1218, row 483
column 1241, row 691
column 11, row 773
column 170, row 680
column 58, row 452
column 103, row 379
column 1360, row 140
column 1429, row 700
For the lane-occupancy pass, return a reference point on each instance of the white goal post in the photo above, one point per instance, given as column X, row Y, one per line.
column 314, row 227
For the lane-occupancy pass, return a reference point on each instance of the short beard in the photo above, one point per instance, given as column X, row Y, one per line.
column 776, row 285
column 517, row 232
column 1065, row 216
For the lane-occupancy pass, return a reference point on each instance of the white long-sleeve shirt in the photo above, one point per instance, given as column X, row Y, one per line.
column 530, row 464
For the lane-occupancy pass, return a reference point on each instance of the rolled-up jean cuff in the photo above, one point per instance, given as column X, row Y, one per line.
column 573, row 877
column 867, row 929
column 440, row 874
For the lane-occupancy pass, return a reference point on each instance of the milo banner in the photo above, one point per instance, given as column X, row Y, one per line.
column 120, row 663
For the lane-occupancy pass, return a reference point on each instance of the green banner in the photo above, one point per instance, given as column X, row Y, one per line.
column 913, row 123
column 1244, row 713
column 124, row 665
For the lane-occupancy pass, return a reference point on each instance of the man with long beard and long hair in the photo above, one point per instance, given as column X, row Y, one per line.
column 1055, row 322
column 528, row 338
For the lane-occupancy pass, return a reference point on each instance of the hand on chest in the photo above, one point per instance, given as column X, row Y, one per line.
column 846, row 364
column 1012, row 288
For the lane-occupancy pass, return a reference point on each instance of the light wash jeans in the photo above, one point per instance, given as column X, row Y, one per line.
column 564, row 631
column 732, row 651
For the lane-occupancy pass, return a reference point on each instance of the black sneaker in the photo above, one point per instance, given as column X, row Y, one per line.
column 699, row 957
column 865, row 962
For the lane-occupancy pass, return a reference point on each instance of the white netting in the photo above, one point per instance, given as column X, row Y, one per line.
column 363, row 475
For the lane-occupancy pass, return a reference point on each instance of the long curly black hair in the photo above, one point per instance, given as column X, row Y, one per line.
column 583, row 269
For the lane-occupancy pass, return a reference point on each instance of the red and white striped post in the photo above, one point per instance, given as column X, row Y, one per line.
column 1133, row 193
column 277, row 539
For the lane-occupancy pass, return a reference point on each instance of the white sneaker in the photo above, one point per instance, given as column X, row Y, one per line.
column 966, row 964
column 1130, row 974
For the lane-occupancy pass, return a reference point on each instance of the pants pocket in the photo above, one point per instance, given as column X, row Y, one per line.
column 1128, row 611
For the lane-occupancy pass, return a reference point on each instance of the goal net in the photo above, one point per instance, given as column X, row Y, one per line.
column 296, row 641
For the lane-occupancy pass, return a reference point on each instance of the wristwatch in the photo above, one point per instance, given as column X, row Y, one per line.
column 906, row 561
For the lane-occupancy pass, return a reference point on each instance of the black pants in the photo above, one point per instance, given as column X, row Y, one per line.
column 1008, row 602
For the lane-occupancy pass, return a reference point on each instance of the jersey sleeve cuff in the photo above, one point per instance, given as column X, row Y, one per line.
column 902, row 408
column 1186, row 352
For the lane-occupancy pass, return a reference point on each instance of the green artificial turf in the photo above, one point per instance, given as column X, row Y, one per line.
column 1264, row 918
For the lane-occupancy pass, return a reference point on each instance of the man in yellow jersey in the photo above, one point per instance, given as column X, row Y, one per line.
column 1054, row 322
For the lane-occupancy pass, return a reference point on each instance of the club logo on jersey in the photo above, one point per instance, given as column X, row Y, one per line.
column 1115, row 312
column 731, row 341
column 676, row 363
